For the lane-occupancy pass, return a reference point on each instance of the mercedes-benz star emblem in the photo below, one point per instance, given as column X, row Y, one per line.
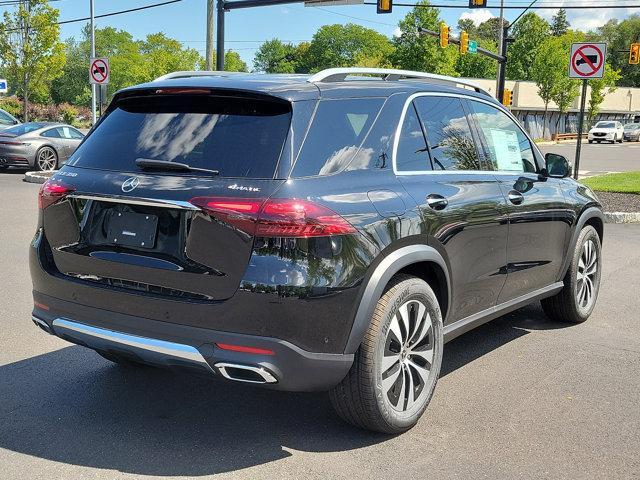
column 130, row 183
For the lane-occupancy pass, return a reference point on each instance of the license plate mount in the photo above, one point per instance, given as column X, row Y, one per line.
column 133, row 229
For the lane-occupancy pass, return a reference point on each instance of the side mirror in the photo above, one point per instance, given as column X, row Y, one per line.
column 557, row 166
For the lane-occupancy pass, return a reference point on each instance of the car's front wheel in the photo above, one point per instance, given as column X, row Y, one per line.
column 397, row 366
column 575, row 302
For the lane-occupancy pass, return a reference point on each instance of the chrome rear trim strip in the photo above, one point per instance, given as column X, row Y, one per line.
column 142, row 344
column 149, row 202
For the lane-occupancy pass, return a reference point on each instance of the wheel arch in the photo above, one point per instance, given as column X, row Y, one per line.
column 52, row 147
column 420, row 260
column 592, row 216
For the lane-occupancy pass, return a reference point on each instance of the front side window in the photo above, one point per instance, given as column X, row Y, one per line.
column 451, row 143
column 338, row 129
column 412, row 154
column 507, row 147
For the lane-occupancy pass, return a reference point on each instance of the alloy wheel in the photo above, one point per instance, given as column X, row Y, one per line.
column 46, row 159
column 408, row 356
column 587, row 276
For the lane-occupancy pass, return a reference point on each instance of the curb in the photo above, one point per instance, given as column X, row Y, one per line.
column 37, row 177
column 622, row 217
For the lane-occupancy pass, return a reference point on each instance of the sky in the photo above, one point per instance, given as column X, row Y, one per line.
column 247, row 28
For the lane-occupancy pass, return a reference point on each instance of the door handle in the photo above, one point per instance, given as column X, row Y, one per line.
column 437, row 202
column 515, row 197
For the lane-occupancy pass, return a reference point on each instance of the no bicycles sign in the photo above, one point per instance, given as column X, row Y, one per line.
column 587, row 60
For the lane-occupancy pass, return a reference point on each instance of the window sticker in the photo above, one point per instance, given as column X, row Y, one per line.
column 507, row 149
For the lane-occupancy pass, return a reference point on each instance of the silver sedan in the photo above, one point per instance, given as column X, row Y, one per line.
column 38, row 145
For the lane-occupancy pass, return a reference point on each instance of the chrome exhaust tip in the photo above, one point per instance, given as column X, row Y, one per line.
column 245, row 373
column 42, row 325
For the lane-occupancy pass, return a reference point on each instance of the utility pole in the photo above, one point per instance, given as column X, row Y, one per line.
column 501, row 37
column 209, row 53
column 220, row 36
column 93, row 54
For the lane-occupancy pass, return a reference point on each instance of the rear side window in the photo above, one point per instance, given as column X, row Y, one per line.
column 412, row 154
column 338, row 129
column 239, row 137
column 451, row 144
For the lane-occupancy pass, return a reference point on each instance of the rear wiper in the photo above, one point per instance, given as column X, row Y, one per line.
column 150, row 164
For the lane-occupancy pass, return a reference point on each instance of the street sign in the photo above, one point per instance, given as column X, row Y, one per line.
column 587, row 60
column 473, row 46
column 99, row 71
column 4, row 87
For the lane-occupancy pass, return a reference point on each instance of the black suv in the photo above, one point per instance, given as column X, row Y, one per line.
column 325, row 232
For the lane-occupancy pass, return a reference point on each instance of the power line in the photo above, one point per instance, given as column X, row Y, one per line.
column 514, row 7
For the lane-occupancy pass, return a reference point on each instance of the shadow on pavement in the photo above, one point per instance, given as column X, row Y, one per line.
column 71, row 406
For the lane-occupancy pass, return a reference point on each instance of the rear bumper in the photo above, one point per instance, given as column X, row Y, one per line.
column 190, row 348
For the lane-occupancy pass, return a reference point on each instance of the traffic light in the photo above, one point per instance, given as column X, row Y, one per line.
column 477, row 3
column 464, row 42
column 385, row 6
column 507, row 97
column 634, row 54
column 444, row 35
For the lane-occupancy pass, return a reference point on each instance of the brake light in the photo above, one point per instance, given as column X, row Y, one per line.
column 244, row 349
column 276, row 217
column 51, row 192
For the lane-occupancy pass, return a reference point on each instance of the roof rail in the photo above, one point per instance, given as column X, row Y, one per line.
column 195, row 73
column 340, row 74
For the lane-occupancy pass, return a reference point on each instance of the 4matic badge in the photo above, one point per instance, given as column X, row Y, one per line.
column 235, row 186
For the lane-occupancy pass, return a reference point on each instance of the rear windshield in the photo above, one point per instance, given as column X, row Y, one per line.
column 239, row 137
column 24, row 128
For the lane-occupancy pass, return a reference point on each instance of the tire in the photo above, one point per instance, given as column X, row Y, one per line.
column 575, row 302
column 121, row 361
column 367, row 401
column 46, row 159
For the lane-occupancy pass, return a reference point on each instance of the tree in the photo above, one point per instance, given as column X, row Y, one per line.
column 566, row 89
column 490, row 29
column 274, row 56
column 529, row 33
column 559, row 23
column 233, row 62
column 599, row 88
column 162, row 55
column 31, row 52
column 468, row 26
column 546, row 72
column 421, row 52
column 625, row 33
column 477, row 66
column 347, row 46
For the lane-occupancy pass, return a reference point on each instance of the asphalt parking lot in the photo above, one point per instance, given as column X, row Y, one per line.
column 521, row 397
column 600, row 158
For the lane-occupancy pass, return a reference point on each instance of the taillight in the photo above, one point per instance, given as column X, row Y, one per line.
column 276, row 217
column 51, row 192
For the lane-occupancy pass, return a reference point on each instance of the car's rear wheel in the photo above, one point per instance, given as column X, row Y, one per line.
column 575, row 302
column 46, row 159
column 397, row 366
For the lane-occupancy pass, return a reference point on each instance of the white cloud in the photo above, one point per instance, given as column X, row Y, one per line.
column 397, row 32
column 588, row 19
column 477, row 16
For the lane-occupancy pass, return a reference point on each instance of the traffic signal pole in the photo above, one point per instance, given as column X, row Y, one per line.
column 502, row 63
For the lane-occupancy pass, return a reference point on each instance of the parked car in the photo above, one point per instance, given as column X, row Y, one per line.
column 632, row 132
column 606, row 131
column 7, row 120
column 38, row 145
column 309, row 233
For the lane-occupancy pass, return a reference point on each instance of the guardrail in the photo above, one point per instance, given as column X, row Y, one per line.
column 566, row 136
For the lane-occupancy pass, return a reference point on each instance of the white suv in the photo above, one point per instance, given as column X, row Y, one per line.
column 607, row 130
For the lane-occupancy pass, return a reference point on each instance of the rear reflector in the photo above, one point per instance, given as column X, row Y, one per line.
column 50, row 193
column 276, row 217
column 245, row 349
column 41, row 306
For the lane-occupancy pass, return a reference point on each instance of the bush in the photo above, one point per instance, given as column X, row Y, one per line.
column 12, row 105
column 69, row 113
